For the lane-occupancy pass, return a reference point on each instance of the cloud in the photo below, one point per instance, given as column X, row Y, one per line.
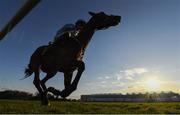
column 129, row 78
column 124, row 75
column 117, row 81
column 118, row 76
column 103, row 82
column 100, row 78
column 107, row 77
column 135, row 71
column 129, row 74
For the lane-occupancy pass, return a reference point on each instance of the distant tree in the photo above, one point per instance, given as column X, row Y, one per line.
column 14, row 94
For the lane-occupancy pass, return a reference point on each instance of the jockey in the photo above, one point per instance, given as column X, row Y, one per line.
column 70, row 29
column 80, row 24
column 66, row 29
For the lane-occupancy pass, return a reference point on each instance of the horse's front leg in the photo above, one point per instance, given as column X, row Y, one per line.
column 70, row 88
column 67, row 84
column 67, row 79
column 46, row 78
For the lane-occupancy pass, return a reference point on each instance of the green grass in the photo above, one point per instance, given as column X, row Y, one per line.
column 33, row 107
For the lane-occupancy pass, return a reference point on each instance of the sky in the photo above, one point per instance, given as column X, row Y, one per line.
column 142, row 54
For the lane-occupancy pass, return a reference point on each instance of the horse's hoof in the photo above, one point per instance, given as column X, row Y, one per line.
column 44, row 100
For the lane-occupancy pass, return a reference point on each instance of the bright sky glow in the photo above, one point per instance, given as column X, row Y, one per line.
column 152, row 84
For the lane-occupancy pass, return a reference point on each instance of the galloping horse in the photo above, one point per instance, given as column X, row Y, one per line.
column 66, row 57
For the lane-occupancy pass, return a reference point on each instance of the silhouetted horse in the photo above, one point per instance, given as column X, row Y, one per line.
column 66, row 57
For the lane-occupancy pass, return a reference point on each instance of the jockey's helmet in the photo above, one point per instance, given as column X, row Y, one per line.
column 80, row 23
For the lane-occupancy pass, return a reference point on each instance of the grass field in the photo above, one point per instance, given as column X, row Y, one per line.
column 17, row 106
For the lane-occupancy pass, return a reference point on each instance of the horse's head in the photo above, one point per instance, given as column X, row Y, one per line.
column 103, row 21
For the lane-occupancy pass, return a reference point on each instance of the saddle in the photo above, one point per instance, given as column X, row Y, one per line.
column 64, row 42
column 58, row 42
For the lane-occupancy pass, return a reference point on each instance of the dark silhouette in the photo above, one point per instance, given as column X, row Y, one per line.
column 66, row 56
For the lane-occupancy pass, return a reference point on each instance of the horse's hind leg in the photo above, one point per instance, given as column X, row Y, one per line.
column 43, row 81
column 36, row 82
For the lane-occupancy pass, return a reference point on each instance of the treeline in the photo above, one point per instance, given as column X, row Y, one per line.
column 14, row 94
column 130, row 97
column 140, row 95
column 21, row 95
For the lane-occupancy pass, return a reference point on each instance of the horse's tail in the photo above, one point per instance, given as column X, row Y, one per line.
column 28, row 72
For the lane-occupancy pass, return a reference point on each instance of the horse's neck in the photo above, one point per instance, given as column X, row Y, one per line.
column 86, row 35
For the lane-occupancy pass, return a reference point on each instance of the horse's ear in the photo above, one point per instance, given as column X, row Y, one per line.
column 92, row 13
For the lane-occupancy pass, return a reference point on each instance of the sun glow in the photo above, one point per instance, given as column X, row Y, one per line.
column 153, row 84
